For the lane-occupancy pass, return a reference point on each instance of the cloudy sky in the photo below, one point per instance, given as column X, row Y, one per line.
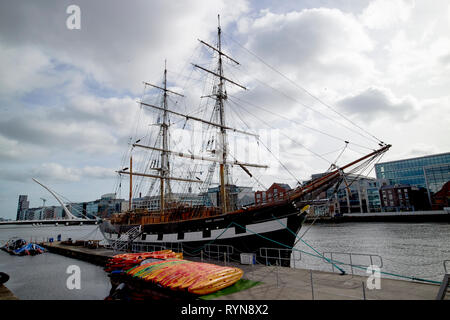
column 68, row 97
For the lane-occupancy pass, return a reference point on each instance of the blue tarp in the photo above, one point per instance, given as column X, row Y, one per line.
column 31, row 248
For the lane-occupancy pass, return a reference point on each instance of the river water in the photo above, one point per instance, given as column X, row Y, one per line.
column 408, row 249
column 45, row 276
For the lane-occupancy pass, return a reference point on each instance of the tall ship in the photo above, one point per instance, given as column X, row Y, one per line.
column 193, row 221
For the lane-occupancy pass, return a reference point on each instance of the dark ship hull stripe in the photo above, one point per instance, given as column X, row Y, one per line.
column 246, row 233
column 223, row 233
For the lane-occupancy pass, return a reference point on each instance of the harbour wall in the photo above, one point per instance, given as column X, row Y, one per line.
column 414, row 216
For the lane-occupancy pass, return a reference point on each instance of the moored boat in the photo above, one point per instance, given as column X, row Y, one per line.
column 192, row 228
column 19, row 247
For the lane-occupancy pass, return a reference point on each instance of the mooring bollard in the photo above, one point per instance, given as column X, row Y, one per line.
column 312, row 286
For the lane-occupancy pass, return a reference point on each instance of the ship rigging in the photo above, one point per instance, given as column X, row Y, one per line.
column 173, row 220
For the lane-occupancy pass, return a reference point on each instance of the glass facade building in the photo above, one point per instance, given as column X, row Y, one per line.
column 430, row 172
column 436, row 176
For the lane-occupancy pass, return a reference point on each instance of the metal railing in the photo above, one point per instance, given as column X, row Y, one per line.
column 444, row 287
column 174, row 246
column 275, row 274
column 145, row 247
column 142, row 247
column 218, row 251
column 125, row 238
column 275, row 254
column 351, row 256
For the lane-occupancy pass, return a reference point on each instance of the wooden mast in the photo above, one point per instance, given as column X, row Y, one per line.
column 131, row 183
column 164, row 170
column 164, row 156
column 220, row 97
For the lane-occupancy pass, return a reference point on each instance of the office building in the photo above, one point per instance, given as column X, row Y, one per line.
column 429, row 172
column 152, row 203
column 22, row 206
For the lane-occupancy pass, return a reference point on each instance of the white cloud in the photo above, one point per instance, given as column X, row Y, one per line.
column 67, row 98
column 13, row 150
column 55, row 172
column 21, row 69
column 116, row 43
column 375, row 103
column 65, row 136
column 382, row 14
column 310, row 43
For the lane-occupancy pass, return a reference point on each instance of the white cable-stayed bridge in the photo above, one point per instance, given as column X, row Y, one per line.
column 68, row 219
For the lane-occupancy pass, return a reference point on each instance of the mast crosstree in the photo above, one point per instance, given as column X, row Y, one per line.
column 164, row 169
column 220, row 96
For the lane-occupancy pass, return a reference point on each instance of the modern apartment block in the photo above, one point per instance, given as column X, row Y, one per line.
column 22, row 206
column 430, row 172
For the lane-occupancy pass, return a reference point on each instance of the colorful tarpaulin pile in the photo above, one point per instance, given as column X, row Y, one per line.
column 182, row 275
column 29, row 249
column 128, row 260
column 20, row 247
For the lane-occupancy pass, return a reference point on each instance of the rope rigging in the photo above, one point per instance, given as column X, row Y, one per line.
column 288, row 137
column 210, row 79
column 305, row 90
column 316, row 254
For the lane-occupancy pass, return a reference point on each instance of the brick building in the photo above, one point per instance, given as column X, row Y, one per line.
column 441, row 199
column 275, row 192
column 404, row 197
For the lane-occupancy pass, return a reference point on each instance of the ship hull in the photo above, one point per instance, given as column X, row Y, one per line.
column 250, row 231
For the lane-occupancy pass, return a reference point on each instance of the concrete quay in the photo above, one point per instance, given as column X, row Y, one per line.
column 411, row 216
column 97, row 256
column 280, row 283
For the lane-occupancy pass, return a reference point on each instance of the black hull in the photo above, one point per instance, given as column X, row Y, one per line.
column 273, row 226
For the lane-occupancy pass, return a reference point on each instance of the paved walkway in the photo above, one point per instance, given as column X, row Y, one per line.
column 279, row 283
column 295, row 284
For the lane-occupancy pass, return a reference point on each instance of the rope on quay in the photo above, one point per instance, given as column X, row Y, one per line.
column 334, row 261
column 342, row 271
